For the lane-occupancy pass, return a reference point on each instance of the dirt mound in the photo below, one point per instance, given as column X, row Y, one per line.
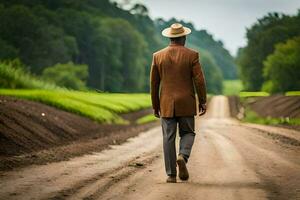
column 276, row 106
column 29, row 128
column 234, row 105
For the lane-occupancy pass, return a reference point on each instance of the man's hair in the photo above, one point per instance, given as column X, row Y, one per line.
column 177, row 39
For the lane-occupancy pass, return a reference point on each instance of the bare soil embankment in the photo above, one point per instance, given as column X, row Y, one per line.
column 276, row 106
column 34, row 133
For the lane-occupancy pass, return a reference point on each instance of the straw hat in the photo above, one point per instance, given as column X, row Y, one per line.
column 176, row 30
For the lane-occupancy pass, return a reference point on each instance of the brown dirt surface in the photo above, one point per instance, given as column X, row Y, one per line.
column 276, row 106
column 34, row 133
column 229, row 160
column 133, row 116
column 234, row 105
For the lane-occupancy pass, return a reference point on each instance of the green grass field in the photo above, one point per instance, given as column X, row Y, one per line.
column 101, row 107
column 264, row 94
column 254, row 94
column 235, row 87
column 292, row 93
column 232, row 87
column 146, row 119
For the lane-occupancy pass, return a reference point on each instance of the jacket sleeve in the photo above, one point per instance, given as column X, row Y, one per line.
column 199, row 79
column 154, row 85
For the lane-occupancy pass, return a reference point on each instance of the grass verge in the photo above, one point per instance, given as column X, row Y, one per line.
column 146, row 119
column 292, row 93
column 253, row 94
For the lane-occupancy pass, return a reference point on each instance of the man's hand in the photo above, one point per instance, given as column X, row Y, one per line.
column 156, row 113
column 202, row 109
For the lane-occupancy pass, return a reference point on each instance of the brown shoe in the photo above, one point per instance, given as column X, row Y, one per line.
column 171, row 179
column 183, row 172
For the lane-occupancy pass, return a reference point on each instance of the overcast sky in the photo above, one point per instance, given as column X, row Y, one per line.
column 225, row 19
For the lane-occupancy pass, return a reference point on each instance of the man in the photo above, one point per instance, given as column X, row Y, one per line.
column 175, row 73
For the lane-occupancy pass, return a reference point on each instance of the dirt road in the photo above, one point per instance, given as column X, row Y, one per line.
column 229, row 161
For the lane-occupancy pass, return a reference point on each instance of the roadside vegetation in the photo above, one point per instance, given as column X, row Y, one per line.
column 292, row 93
column 13, row 75
column 254, row 94
column 146, row 119
column 245, row 94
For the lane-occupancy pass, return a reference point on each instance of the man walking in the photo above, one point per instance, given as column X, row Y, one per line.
column 175, row 72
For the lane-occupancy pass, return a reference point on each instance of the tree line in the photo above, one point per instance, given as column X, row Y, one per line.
column 271, row 59
column 97, row 44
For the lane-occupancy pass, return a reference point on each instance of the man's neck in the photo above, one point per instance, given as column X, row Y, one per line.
column 177, row 43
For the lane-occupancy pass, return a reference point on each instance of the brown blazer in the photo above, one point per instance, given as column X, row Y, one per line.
column 175, row 70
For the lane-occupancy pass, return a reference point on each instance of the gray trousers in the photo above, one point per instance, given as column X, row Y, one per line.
column 187, row 134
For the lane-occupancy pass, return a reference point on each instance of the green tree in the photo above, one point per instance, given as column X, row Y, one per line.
column 262, row 38
column 213, row 75
column 282, row 68
column 129, row 58
column 67, row 75
column 7, row 51
column 90, row 40
column 139, row 9
column 39, row 44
